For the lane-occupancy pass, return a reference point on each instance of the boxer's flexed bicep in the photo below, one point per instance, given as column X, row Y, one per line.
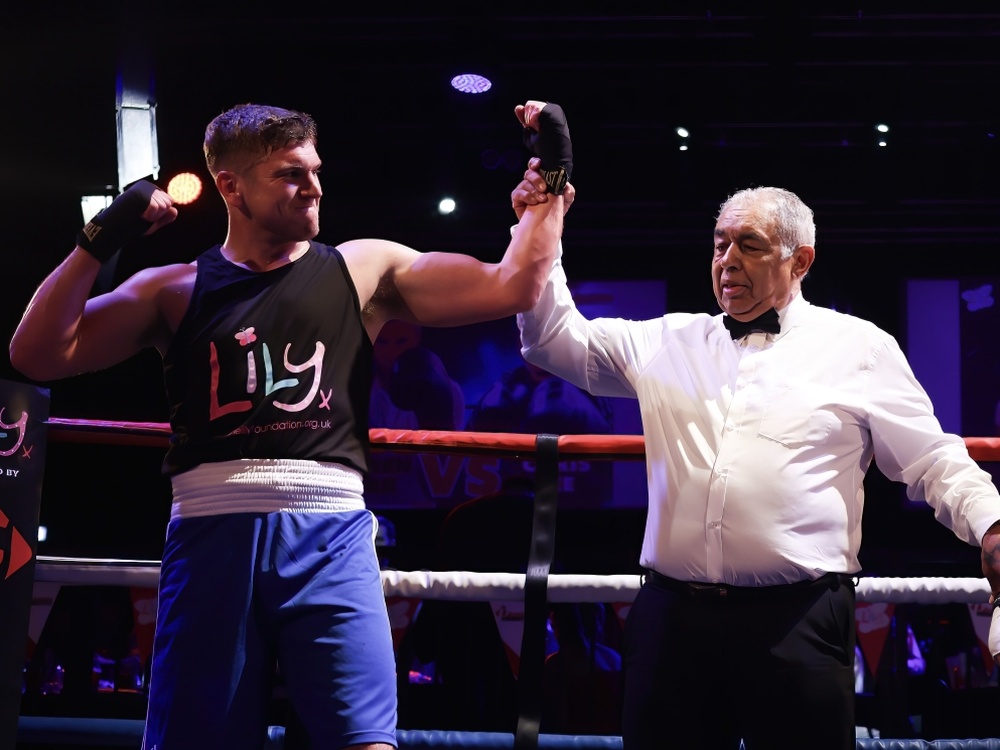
column 64, row 332
column 373, row 265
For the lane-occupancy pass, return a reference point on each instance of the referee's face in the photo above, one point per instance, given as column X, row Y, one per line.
column 749, row 273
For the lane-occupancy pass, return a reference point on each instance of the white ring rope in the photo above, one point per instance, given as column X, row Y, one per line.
column 468, row 586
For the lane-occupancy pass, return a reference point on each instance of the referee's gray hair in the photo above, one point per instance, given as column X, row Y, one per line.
column 793, row 219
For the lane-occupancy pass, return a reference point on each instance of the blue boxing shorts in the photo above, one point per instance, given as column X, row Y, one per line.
column 240, row 593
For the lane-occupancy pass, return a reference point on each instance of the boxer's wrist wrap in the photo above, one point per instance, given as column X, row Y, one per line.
column 552, row 144
column 555, row 179
column 119, row 223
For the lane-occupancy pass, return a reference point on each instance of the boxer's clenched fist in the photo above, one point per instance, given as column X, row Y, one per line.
column 141, row 209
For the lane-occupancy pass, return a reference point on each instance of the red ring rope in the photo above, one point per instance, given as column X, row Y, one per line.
column 597, row 447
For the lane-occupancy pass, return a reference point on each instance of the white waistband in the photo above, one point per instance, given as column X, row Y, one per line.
column 255, row 485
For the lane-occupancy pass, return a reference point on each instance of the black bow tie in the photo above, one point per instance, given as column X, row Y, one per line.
column 766, row 322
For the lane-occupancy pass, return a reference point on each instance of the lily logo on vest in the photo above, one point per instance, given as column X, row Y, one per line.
column 314, row 363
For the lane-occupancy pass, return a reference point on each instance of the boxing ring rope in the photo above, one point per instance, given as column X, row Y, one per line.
column 608, row 447
column 454, row 585
column 487, row 587
column 128, row 733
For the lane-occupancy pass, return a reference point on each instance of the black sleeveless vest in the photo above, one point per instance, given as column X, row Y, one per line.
column 270, row 365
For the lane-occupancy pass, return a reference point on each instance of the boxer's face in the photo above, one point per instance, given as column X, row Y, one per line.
column 281, row 193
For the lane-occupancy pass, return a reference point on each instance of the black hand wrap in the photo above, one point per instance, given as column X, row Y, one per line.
column 119, row 223
column 551, row 144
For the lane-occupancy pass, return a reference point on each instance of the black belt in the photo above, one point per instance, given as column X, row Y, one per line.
column 722, row 592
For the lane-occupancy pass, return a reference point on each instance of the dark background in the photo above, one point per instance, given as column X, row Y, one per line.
column 773, row 93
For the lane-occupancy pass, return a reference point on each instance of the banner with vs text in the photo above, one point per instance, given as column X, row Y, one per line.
column 24, row 412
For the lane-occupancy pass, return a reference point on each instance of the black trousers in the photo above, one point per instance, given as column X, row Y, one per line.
column 773, row 667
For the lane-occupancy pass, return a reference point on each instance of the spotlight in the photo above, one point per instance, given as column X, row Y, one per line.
column 683, row 134
column 446, row 206
column 184, row 188
column 471, row 83
column 883, row 129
